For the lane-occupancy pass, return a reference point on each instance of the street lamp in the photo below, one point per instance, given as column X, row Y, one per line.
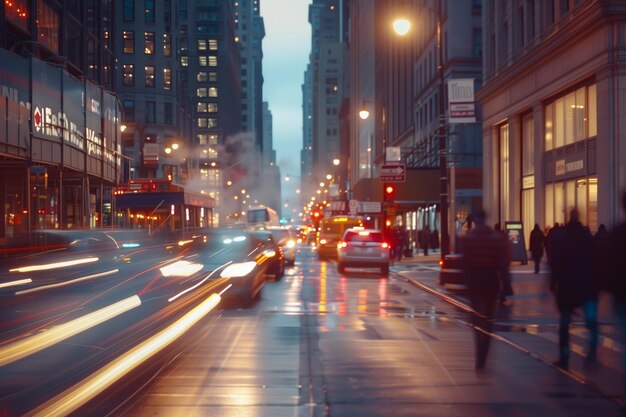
column 402, row 27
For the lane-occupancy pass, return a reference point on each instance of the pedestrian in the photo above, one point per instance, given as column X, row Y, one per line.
column 615, row 282
column 573, row 283
column 401, row 241
column 426, row 239
column 537, row 240
column 485, row 260
column 506, row 286
column 391, row 238
column 549, row 242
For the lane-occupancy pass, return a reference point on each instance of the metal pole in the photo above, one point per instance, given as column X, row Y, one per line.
column 443, row 169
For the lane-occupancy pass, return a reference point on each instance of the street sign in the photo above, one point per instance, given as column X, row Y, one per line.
column 395, row 172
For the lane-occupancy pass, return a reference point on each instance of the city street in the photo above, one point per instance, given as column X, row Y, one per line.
column 319, row 343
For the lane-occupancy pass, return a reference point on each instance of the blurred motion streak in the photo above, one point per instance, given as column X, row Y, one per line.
column 54, row 265
column 180, row 269
column 194, row 287
column 19, row 350
column 76, row 396
column 14, row 283
column 64, row 283
column 238, row 269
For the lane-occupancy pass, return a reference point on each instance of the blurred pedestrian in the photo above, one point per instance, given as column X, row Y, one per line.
column 401, row 239
column 537, row 240
column 573, row 284
column 549, row 242
column 485, row 260
column 615, row 282
column 426, row 239
column 506, row 286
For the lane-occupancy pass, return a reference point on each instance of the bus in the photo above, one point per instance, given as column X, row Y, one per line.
column 259, row 218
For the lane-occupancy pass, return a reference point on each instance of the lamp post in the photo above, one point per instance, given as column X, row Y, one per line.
column 402, row 27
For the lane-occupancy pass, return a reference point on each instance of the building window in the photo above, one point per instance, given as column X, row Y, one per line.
column 149, row 11
column 149, row 43
column 184, row 61
column 202, row 61
column 213, row 44
column 168, row 114
column 167, row 44
column 202, row 122
column 212, row 77
column 129, row 110
column 212, row 91
column 129, row 10
column 150, row 78
column 201, row 92
column 182, row 44
column 129, row 41
column 212, row 61
column 478, row 43
column 212, row 108
column 504, row 172
column 48, row 24
column 16, row 15
column 167, row 79
column 202, row 45
column 212, row 122
column 150, row 111
column 571, row 118
column 202, row 77
column 129, row 75
column 167, row 12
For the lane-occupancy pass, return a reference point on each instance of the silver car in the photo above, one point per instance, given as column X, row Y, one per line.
column 363, row 248
column 286, row 239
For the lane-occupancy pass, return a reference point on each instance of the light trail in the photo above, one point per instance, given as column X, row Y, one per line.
column 65, row 283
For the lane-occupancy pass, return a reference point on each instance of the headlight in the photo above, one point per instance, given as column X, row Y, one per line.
column 270, row 253
column 291, row 244
column 238, row 269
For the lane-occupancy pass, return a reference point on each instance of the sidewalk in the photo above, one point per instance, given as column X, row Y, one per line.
column 529, row 322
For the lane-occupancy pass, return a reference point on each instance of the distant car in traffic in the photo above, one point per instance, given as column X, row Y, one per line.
column 277, row 263
column 242, row 257
column 330, row 232
column 286, row 239
column 363, row 248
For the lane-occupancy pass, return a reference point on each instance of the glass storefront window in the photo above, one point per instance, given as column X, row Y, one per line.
column 549, row 204
column 559, row 126
column 504, row 172
column 592, row 119
column 549, row 126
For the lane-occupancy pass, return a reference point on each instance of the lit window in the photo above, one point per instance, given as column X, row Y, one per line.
column 129, row 41
column 184, row 61
column 167, row 79
column 202, row 77
column 201, row 45
column 149, row 43
column 129, row 75
column 213, row 44
column 212, row 108
column 211, row 122
column 202, row 61
column 202, row 107
column 167, row 45
column 212, row 61
column 212, row 91
column 150, row 78
column 212, row 77
column 201, row 92
column 202, row 122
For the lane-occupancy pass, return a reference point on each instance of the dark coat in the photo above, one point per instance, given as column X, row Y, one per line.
column 572, row 278
column 601, row 257
column 486, row 258
column 537, row 240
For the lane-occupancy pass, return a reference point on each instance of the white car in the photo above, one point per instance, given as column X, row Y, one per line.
column 363, row 248
column 286, row 239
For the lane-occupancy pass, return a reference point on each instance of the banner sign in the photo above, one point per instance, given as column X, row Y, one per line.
column 461, row 106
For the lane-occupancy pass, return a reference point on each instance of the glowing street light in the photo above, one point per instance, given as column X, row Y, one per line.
column 401, row 26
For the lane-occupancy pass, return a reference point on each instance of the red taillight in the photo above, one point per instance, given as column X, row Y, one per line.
column 342, row 245
column 385, row 245
column 440, row 262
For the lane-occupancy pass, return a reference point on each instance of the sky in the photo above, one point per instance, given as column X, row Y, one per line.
column 286, row 49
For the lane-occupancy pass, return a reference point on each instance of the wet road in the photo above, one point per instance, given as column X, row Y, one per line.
column 319, row 343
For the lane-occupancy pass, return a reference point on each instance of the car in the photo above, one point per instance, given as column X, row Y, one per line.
column 286, row 239
column 277, row 263
column 451, row 273
column 363, row 248
column 330, row 232
column 243, row 257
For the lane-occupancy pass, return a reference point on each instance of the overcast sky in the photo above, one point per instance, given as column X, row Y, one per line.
column 286, row 49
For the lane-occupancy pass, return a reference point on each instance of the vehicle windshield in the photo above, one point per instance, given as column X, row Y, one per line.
column 364, row 236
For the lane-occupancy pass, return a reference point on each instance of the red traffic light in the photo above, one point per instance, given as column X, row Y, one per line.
column 389, row 189
column 316, row 215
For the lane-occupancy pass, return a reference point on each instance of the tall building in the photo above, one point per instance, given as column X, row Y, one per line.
column 250, row 30
column 327, row 81
column 59, row 134
column 552, row 126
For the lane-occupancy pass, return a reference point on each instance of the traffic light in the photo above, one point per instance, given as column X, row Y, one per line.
column 389, row 192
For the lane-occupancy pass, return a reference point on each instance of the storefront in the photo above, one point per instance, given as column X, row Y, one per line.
column 59, row 149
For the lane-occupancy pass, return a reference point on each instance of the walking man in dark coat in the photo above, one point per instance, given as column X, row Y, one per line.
column 573, row 284
column 486, row 258
column 537, row 240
